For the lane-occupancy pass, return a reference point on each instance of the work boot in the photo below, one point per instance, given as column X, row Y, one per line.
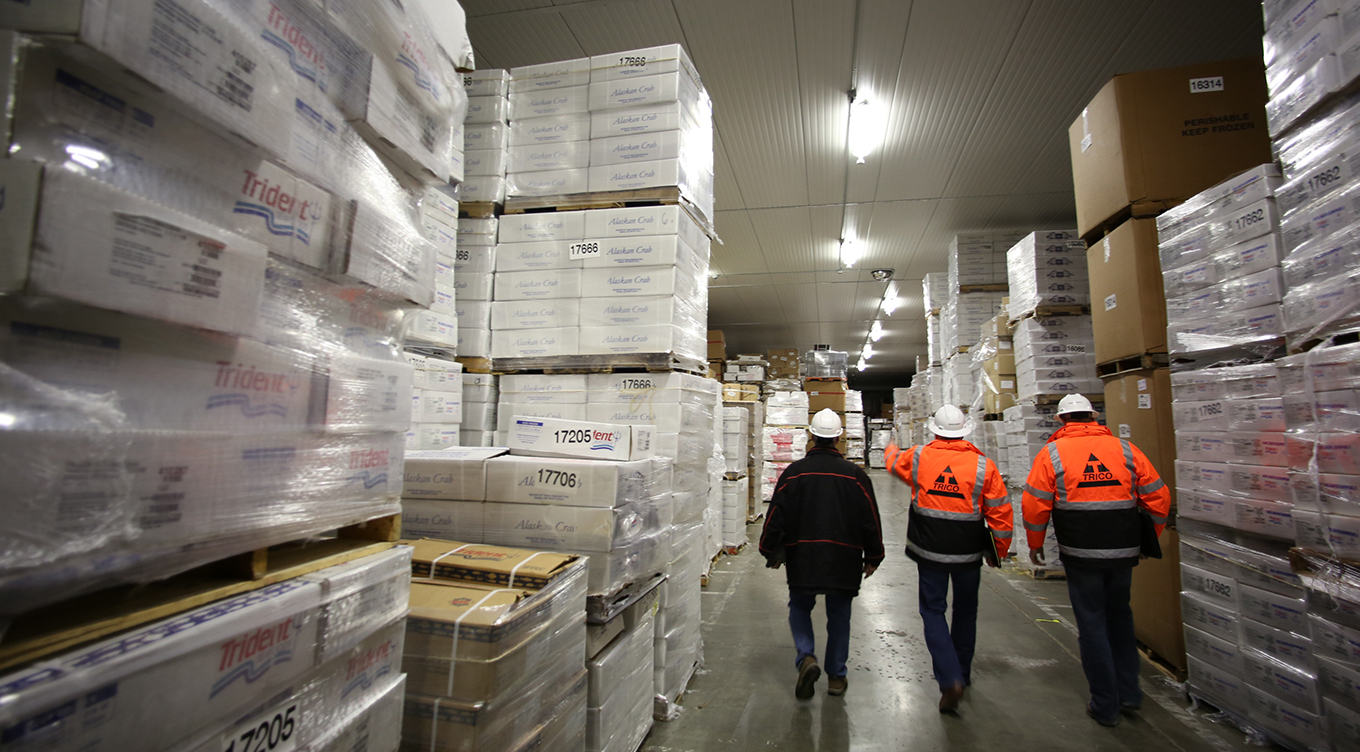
column 1110, row 723
column 808, row 674
column 835, row 685
column 949, row 698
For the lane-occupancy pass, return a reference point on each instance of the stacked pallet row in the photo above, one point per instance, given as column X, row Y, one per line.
column 619, row 122
column 487, row 139
column 736, row 483
column 976, row 285
column 856, row 437
column 880, row 431
column 234, row 246
column 783, row 438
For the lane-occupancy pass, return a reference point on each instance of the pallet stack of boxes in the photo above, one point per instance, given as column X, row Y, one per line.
column 976, row 284
column 1208, row 266
column 436, row 400
column 242, row 382
column 854, row 426
column 487, row 139
column 495, row 648
column 736, row 483
column 625, row 121
column 783, row 438
column 880, row 436
column 1271, row 632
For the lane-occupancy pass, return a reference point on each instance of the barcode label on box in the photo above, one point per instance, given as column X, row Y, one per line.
column 1202, row 85
column 583, row 250
column 1145, row 402
column 1124, row 431
column 1111, row 302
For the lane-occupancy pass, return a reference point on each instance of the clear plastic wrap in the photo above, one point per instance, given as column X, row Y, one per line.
column 1292, row 99
column 178, row 675
column 1047, row 267
column 824, row 364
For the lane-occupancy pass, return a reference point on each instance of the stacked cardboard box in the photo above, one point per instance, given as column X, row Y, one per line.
column 880, row 436
column 616, row 122
column 317, row 658
column 784, row 437
column 496, row 645
column 855, row 435
column 1047, row 268
column 481, row 394
column 600, row 282
column 487, row 137
column 824, row 363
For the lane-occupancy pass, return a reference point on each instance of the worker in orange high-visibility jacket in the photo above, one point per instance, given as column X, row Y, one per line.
column 1093, row 486
column 959, row 510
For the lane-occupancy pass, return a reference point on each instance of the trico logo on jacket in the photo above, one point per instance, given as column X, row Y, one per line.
column 1096, row 475
column 947, row 485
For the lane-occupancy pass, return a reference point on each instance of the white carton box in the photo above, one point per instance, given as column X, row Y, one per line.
column 535, row 343
column 536, row 314
column 636, row 281
column 442, row 519
column 440, row 407
column 641, row 91
column 473, row 285
column 479, row 416
column 566, row 100
column 575, row 72
column 630, row 177
column 524, row 228
column 470, row 259
column 570, row 482
column 564, row 389
column 458, row 473
column 547, row 182
column 538, row 285
column 507, row 410
column 602, row 340
column 583, row 439
column 367, row 394
column 547, row 254
column 555, row 527
column 485, row 136
column 487, row 109
column 653, row 388
column 648, row 250
column 647, row 61
column 444, row 375
column 645, row 147
column 550, row 130
column 486, row 82
column 485, row 162
column 486, row 188
column 474, row 343
column 418, row 369
column 667, row 418
column 661, row 310
column 434, row 436
column 473, row 314
column 434, row 328
column 643, row 220
column 186, row 271
column 544, row 157
column 668, row 116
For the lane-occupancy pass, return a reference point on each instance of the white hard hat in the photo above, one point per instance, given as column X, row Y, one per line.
column 949, row 422
column 1075, row 403
column 826, row 424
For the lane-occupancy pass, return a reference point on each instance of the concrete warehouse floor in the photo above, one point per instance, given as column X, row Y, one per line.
column 1028, row 690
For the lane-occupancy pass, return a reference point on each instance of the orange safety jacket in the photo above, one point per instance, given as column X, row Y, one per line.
column 954, row 487
column 1092, row 484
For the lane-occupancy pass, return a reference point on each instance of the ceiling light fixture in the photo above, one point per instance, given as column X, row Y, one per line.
column 861, row 365
column 866, row 126
column 876, row 331
column 890, row 305
column 851, row 252
column 867, row 352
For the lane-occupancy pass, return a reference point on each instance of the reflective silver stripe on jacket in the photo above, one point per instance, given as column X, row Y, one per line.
column 1128, row 461
column 1035, row 528
column 1038, row 494
column 1100, row 553
column 1156, row 485
column 1001, row 533
column 977, row 485
column 945, row 514
column 1158, row 520
column 998, row 501
column 944, row 558
column 1097, row 506
column 915, row 471
column 1059, row 482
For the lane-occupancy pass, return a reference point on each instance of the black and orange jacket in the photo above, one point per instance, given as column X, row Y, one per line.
column 957, row 494
column 824, row 519
column 1092, row 484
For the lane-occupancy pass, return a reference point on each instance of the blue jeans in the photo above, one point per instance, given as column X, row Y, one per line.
column 837, row 629
column 1109, row 652
column 951, row 645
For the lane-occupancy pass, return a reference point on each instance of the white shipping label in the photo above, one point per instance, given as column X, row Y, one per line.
column 1124, row 431
column 586, row 249
column 1111, row 302
column 1203, row 85
column 1142, row 385
column 1145, row 402
column 1107, row 252
column 1085, row 131
column 272, row 731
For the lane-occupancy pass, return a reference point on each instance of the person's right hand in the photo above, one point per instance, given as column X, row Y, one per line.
column 869, row 570
column 1036, row 557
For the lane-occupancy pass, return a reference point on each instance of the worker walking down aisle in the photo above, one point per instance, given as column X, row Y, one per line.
column 1094, row 485
column 823, row 523
column 954, row 488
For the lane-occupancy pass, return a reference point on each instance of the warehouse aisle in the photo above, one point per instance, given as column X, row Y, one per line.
column 1028, row 690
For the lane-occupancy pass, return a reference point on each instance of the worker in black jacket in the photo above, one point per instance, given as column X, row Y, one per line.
column 823, row 523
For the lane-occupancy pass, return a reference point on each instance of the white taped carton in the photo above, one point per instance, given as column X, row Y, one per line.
column 584, row 439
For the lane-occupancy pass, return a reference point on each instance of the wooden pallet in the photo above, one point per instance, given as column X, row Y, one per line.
column 734, row 550
column 1261, row 351
column 963, row 349
column 625, row 363
column 1053, row 399
column 601, row 609
column 992, row 287
column 1133, row 363
column 664, row 196
column 475, row 365
column 1045, row 311
column 87, row 618
column 932, row 312
column 819, row 379
column 1137, row 210
column 1342, row 338
column 479, row 209
column 993, row 416
column 1167, row 669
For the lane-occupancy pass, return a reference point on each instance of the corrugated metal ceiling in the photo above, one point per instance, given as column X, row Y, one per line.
column 980, row 94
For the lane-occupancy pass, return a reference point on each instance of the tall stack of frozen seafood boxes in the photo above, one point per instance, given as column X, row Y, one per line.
column 212, row 266
column 1278, row 466
column 736, row 483
column 784, row 437
column 619, row 122
column 486, row 138
column 854, row 426
column 976, row 284
column 880, row 432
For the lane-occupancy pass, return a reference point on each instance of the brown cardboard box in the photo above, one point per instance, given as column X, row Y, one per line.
column 715, row 369
column 783, row 363
column 1138, row 408
column 1165, row 135
column 741, row 393
column 1128, row 306
column 1156, row 602
column 997, row 326
column 717, row 345
column 823, row 399
column 482, row 564
column 995, row 403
